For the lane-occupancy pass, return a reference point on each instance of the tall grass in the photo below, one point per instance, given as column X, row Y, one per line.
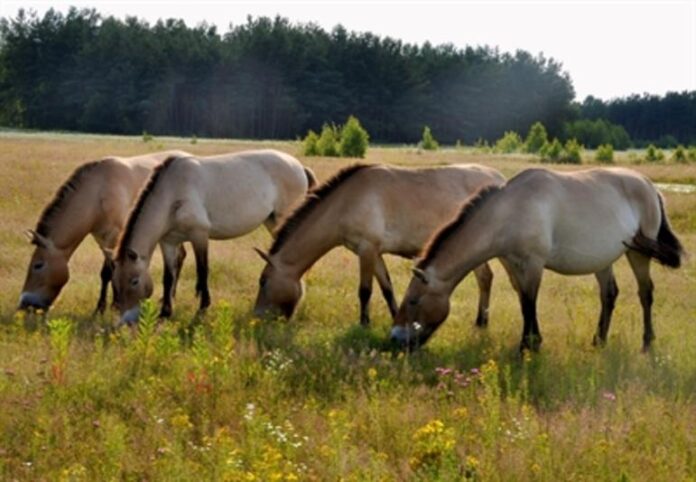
column 229, row 397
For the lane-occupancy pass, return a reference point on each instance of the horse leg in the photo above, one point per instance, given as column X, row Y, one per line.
column 170, row 274
column 368, row 257
column 200, row 250
column 385, row 284
column 181, row 256
column 640, row 264
column 105, row 275
column 525, row 276
column 608, row 291
column 484, row 279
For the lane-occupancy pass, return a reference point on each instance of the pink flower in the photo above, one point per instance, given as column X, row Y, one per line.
column 609, row 396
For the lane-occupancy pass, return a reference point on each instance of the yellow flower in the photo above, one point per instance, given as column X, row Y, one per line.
column 536, row 469
column 371, row 373
column 181, row 421
column 461, row 413
column 472, row 462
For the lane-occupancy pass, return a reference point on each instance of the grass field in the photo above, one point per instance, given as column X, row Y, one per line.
column 317, row 399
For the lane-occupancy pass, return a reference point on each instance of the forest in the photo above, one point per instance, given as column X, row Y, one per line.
column 272, row 79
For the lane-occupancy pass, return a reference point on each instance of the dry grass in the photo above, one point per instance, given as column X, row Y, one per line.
column 327, row 403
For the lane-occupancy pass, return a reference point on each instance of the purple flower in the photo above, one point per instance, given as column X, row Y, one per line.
column 609, row 396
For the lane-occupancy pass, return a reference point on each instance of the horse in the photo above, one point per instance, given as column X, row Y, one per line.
column 371, row 210
column 95, row 199
column 196, row 199
column 571, row 223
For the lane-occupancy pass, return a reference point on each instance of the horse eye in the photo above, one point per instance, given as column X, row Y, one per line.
column 38, row 265
column 134, row 281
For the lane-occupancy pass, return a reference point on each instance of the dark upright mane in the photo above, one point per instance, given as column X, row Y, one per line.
column 43, row 227
column 140, row 203
column 470, row 206
column 313, row 199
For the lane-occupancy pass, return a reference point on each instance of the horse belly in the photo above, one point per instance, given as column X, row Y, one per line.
column 587, row 252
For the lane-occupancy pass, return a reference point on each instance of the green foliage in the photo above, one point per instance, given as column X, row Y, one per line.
column 354, row 139
column 327, row 144
column 679, row 154
column 605, row 154
column 536, row 138
column 572, row 152
column 691, row 155
column 194, row 139
column 653, row 154
column 428, row 142
column 309, row 144
column 551, row 151
column 61, row 332
column 510, row 142
column 147, row 137
column 593, row 133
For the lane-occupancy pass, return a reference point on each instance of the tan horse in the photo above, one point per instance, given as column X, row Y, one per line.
column 94, row 200
column 572, row 223
column 197, row 199
column 371, row 210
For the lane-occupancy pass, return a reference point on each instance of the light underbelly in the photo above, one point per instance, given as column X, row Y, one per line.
column 584, row 256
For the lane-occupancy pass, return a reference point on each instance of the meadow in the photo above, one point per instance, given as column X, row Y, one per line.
column 229, row 397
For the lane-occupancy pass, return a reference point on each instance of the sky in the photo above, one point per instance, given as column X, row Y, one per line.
column 610, row 48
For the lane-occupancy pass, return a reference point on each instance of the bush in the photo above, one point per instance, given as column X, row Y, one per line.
column 310, row 144
column 327, row 144
column 428, row 143
column 692, row 154
column 593, row 133
column 679, row 154
column 605, row 154
column 572, row 152
column 653, row 154
column 510, row 142
column 147, row 137
column 354, row 139
column 536, row 138
column 551, row 151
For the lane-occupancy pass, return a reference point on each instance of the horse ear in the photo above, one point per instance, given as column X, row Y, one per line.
column 132, row 255
column 265, row 256
column 35, row 238
column 421, row 275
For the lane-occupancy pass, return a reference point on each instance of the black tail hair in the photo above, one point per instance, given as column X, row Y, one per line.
column 667, row 249
column 311, row 178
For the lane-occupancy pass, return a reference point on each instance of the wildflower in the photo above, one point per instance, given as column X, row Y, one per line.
column 371, row 373
column 535, row 468
column 609, row 396
column 181, row 421
column 461, row 412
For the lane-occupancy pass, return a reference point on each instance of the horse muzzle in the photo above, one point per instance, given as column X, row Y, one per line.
column 32, row 301
column 130, row 317
column 410, row 337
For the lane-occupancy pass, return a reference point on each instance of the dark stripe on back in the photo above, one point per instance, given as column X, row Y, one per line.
column 311, row 201
column 145, row 192
column 43, row 227
column 470, row 206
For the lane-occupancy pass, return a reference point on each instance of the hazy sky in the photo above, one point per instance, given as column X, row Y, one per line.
column 610, row 48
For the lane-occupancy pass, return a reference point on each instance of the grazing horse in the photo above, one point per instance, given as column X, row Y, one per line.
column 371, row 210
column 197, row 199
column 572, row 223
column 94, row 200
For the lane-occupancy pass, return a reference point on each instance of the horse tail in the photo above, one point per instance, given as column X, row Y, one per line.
column 666, row 249
column 311, row 178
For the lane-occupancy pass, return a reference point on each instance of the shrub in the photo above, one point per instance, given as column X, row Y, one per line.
column 572, row 152
column 147, row 137
column 653, row 154
column 679, row 154
column 428, row 143
column 309, row 144
column 510, row 142
column 327, row 145
column 354, row 139
column 691, row 155
column 536, row 138
column 593, row 133
column 551, row 151
column 605, row 154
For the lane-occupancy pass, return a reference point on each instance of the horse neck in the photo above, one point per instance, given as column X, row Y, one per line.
column 152, row 223
column 316, row 236
column 76, row 219
column 475, row 242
